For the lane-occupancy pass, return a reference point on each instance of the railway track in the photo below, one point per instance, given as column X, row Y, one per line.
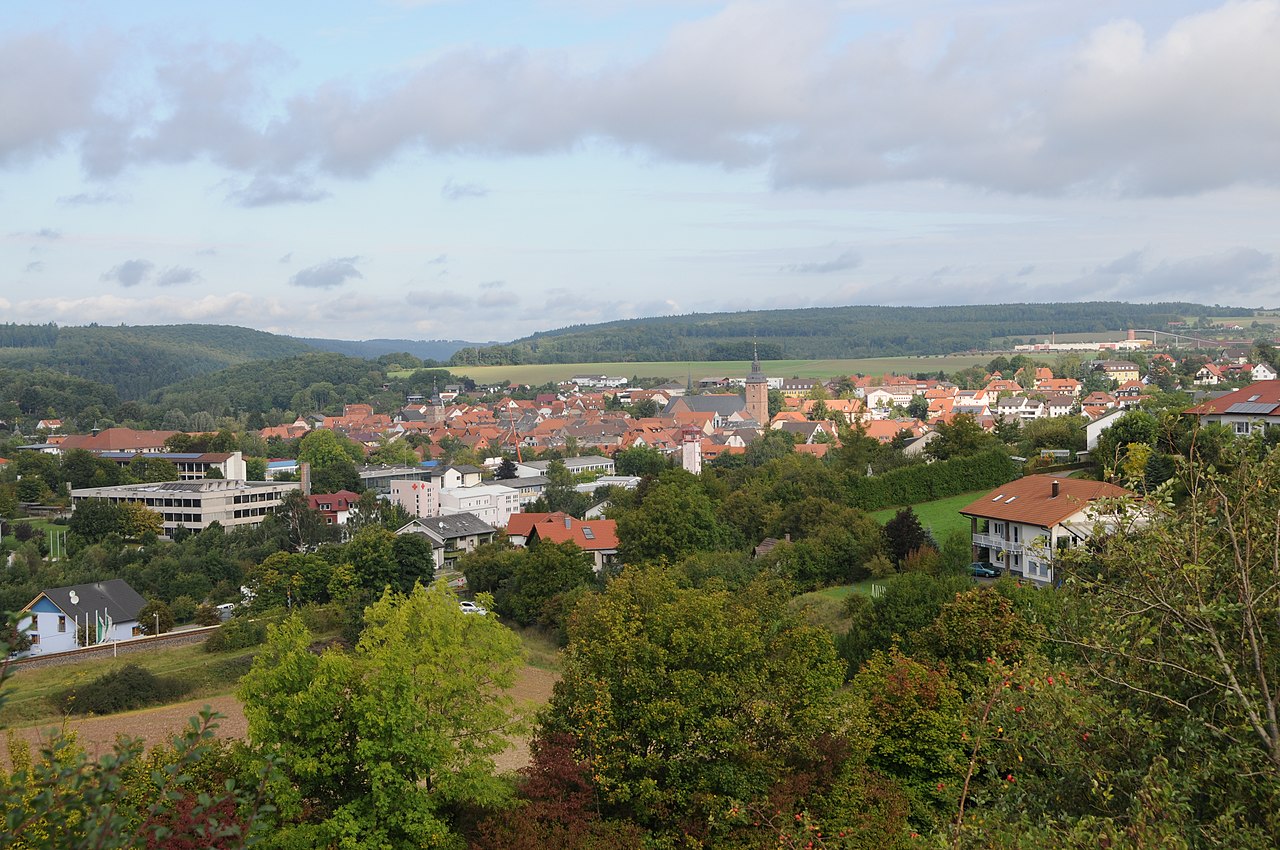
column 113, row 649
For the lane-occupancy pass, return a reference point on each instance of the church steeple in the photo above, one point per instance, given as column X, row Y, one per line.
column 757, row 406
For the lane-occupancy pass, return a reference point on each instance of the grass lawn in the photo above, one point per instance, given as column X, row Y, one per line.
column 541, row 649
column 27, row 692
column 825, row 607
column 940, row 517
column 679, row 370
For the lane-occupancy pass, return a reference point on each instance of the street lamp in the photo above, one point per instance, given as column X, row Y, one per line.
column 157, row 616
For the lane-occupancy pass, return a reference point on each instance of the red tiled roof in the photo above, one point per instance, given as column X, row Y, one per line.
column 1030, row 500
column 603, row 533
column 1266, row 392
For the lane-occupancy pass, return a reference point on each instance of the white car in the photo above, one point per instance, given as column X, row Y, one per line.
column 472, row 608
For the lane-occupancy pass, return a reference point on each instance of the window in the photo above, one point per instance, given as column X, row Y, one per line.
column 1017, row 533
column 588, row 533
column 1242, row 427
column 35, row 621
column 62, row 623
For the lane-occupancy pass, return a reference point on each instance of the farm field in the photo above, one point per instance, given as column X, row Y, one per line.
column 541, row 373
column 939, row 517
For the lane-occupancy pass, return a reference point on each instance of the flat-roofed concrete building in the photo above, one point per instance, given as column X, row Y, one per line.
column 197, row 504
column 192, row 466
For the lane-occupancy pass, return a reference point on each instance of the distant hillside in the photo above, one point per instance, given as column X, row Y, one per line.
column 137, row 360
column 424, row 349
column 827, row 332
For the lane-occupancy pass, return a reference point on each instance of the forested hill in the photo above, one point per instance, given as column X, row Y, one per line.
column 137, row 360
column 371, row 349
column 828, row 332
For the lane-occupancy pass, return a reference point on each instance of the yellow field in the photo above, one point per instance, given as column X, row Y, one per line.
column 680, row 370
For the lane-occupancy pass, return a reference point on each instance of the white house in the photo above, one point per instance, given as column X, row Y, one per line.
column 1244, row 411
column 1022, row 524
column 1263, row 372
column 109, row 610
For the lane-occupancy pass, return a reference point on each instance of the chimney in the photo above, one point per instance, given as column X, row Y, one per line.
column 1055, row 489
column 305, row 476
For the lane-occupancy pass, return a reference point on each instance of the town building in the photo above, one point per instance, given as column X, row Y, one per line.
column 451, row 536
column 106, row 610
column 195, row 505
column 757, row 406
column 491, row 503
column 598, row 537
column 335, row 507
column 1023, row 524
column 1253, row 408
column 192, row 466
column 418, row 498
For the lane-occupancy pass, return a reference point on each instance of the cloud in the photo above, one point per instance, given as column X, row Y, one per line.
column 845, row 261
column 47, row 233
column 34, row 266
column 452, row 191
column 328, row 274
column 1044, row 104
column 175, row 275
column 287, row 258
column 86, row 199
column 440, row 260
column 493, row 284
column 264, row 191
column 129, row 273
column 207, row 252
column 1025, row 271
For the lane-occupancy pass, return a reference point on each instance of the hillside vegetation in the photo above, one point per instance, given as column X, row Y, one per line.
column 826, row 332
column 137, row 360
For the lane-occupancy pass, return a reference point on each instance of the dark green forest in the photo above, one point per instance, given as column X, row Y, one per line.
column 138, row 360
column 827, row 332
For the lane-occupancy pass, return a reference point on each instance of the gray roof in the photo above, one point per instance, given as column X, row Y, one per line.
column 121, row 602
column 449, row 526
column 721, row 405
column 525, row 481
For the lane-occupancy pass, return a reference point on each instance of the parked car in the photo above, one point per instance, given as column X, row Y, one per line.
column 984, row 569
column 472, row 608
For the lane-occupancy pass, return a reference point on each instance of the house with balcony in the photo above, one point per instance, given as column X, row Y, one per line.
column 1022, row 525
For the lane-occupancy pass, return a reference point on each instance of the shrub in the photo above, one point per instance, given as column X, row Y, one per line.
column 207, row 615
column 125, row 689
column 184, row 609
column 237, row 633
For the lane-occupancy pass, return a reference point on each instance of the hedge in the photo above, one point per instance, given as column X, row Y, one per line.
column 911, row 485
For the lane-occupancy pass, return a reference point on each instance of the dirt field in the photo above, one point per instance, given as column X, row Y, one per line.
column 155, row 725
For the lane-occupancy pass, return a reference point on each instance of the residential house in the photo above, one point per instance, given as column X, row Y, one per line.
column 451, row 536
column 1208, row 375
column 1024, row 523
column 460, row 475
column 1263, row 372
column 107, row 609
column 1254, row 408
column 598, row 537
column 1118, row 370
column 335, row 507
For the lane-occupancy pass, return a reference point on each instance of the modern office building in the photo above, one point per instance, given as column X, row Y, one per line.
column 196, row 504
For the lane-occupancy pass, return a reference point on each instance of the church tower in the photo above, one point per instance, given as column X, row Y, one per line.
column 757, row 392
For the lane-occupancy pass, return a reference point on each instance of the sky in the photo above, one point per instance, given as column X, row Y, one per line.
column 457, row 169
